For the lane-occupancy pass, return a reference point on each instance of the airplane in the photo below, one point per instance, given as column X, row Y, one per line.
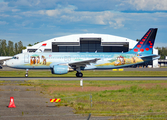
column 63, row 62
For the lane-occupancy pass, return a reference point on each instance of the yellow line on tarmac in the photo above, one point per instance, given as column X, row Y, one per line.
column 121, row 69
column 114, row 69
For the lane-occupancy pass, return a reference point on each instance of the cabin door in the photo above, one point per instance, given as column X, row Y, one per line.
column 26, row 58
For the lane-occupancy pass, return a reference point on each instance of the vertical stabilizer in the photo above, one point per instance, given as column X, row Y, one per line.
column 145, row 45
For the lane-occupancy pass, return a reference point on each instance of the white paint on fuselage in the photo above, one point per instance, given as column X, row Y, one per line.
column 48, row 60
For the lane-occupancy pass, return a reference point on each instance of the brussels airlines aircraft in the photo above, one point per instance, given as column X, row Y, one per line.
column 62, row 63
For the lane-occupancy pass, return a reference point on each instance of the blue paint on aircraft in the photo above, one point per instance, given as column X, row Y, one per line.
column 61, row 62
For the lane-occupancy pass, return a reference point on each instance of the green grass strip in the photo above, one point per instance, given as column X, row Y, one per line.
column 42, row 73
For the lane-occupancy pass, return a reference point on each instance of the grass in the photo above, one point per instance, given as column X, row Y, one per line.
column 47, row 73
column 114, row 98
column 120, row 99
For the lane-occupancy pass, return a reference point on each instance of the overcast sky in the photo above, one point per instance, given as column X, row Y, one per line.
column 33, row 21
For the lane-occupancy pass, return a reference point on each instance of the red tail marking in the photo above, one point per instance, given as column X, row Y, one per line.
column 147, row 49
column 142, row 50
column 141, row 42
column 136, row 50
column 138, row 46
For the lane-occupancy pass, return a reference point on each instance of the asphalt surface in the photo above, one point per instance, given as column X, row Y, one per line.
column 34, row 105
column 84, row 78
column 30, row 105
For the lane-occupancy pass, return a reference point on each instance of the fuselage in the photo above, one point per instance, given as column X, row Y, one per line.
column 47, row 60
column 61, row 63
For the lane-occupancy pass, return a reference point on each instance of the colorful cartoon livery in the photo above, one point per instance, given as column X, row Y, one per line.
column 63, row 62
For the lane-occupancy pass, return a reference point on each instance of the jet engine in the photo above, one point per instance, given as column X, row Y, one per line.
column 60, row 69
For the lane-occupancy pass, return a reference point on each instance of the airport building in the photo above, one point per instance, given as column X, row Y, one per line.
column 88, row 43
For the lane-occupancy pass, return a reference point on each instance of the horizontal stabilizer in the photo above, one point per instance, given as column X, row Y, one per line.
column 147, row 56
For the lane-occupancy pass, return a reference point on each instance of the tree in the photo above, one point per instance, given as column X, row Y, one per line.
column 10, row 48
column 36, row 43
column 162, row 51
column 3, row 48
column 16, row 48
column 0, row 48
column 20, row 47
column 29, row 45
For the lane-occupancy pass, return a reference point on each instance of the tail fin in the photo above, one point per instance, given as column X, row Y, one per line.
column 145, row 45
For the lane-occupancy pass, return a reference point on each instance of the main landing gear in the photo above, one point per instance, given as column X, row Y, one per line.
column 26, row 75
column 79, row 74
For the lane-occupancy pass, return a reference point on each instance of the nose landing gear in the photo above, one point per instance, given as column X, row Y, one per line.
column 26, row 75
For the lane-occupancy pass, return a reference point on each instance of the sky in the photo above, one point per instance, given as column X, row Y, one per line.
column 33, row 21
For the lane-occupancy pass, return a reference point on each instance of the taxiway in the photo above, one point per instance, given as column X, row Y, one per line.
column 84, row 78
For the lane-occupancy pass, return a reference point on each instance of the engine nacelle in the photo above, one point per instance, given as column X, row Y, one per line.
column 60, row 69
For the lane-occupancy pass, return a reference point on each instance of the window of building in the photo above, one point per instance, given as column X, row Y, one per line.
column 90, row 45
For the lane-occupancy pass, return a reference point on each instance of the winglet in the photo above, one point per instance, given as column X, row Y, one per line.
column 145, row 45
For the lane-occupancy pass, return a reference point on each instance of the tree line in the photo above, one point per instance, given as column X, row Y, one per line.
column 162, row 51
column 10, row 48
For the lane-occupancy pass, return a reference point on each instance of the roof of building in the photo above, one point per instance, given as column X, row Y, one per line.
column 76, row 38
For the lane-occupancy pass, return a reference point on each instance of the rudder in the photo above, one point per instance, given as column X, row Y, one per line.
column 145, row 45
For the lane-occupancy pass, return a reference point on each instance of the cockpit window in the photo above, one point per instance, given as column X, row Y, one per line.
column 15, row 57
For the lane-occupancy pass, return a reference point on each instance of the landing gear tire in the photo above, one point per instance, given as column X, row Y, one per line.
column 26, row 75
column 79, row 74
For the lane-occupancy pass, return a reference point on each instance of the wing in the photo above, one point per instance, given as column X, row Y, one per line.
column 82, row 64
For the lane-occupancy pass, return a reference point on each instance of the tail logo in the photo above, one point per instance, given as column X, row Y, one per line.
column 142, row 42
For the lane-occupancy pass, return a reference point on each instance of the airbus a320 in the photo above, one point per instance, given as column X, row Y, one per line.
column 63, row 62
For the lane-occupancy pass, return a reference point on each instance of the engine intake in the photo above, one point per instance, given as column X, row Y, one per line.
column 60, row 69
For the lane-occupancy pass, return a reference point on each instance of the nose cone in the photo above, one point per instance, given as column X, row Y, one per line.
column 8, row 63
